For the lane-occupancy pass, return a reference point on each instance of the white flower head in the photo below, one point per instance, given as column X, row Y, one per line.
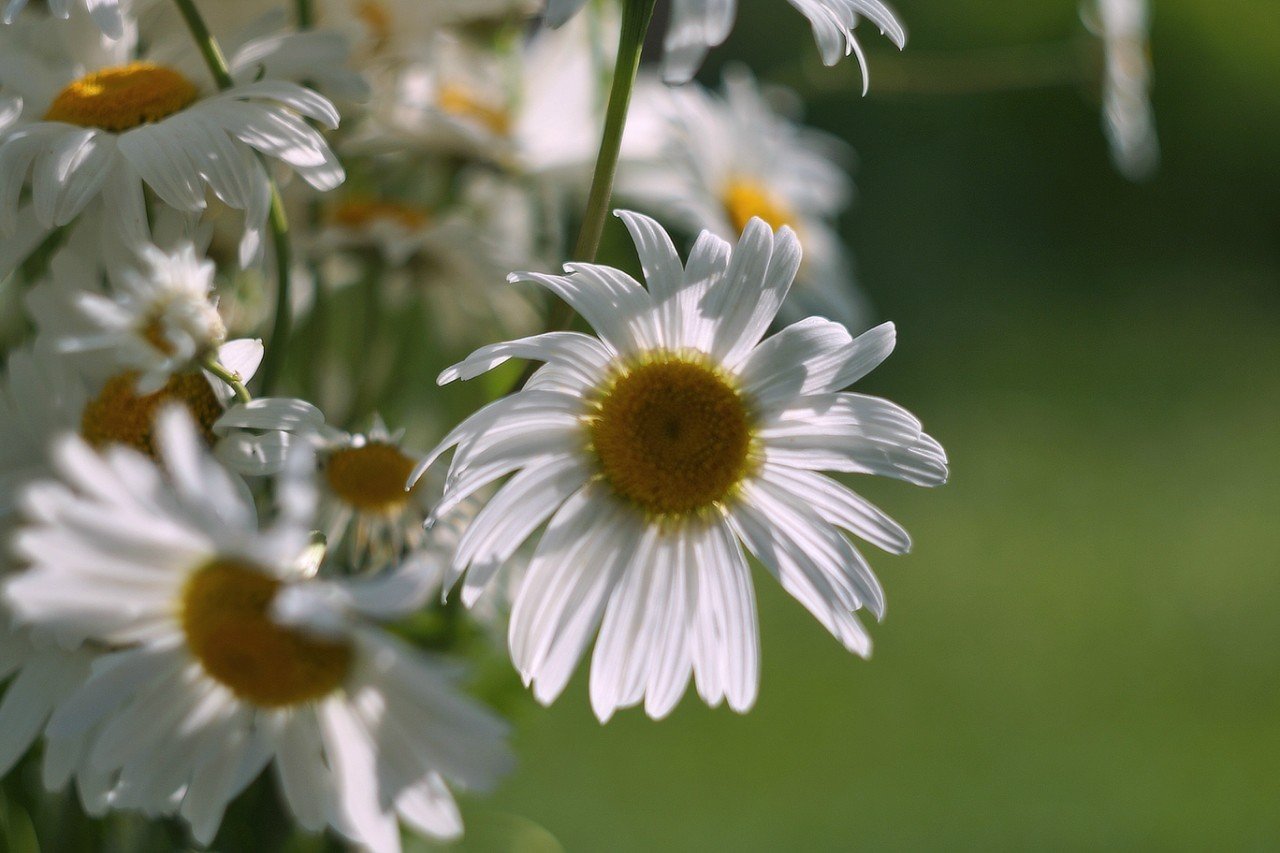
column 212, row 676
column 729, row 159
column 1125, row 29
column 653, row 452
column 100, row 128
column 159, row 318
column 698, row 25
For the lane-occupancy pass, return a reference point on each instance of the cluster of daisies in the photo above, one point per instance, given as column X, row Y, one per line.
column 205, row 578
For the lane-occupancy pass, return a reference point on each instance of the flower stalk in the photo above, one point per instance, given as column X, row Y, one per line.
column 636, row 16
column 216, row 61
column 211, row 364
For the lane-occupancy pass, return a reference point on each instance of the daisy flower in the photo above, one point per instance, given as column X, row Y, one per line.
column 38, row 395
column 106, row 125
column 364, row 499
column 160, row 318
column 698, row 25
column 211, row 678
column 729, row 159
column 106, row 14
column 1125, row 29
column 653, row 452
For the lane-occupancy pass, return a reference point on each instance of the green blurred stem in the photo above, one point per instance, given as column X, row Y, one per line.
column 210, row 363
column 305, row 14
column 636, row 15
column 217, row 63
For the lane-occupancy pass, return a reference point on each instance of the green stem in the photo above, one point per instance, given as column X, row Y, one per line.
column 208, row 45
column 283, row 322
column 636, row 15
column 217, row 63
column 210, row 363
column 305, row 14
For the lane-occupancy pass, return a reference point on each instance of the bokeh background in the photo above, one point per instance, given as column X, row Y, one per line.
column 1083, row 650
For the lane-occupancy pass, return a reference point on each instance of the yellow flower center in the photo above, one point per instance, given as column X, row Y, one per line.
column 744, row 199
column 361, row 213
column 672, row 436
column 461, row 102
column 226, row 616
column 371, row 477
column 122, row 98
column 119, row 415
column 377, row 19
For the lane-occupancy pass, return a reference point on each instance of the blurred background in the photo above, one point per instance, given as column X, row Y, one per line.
column 1081, row 651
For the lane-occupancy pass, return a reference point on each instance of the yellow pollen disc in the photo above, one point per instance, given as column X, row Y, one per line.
column 122, row 98
column 226, row 616
column 745, row 199
column 370, row 478
column 672, row 436
column 153, row 333
column 361, row 213
column 377, row 18
column 461, row 102
column 118, row 415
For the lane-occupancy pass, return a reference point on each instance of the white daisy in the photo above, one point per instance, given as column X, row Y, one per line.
column 1125, row 29
column 160, row 317
column 106, row 14
column 211, row 678
column 364, row 500
column 38, row 395
column 108, row 125
column 652, row 451
column 729, row 159
column 698, row 25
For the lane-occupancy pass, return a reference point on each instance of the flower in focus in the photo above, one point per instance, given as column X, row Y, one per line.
column 653, row 452
column 1125, row 29
column 727, row 160
column 698, row 25
column 211, row 677
column 105, row 125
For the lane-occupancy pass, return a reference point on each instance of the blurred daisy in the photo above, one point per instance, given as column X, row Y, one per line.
column 364, row 499
column 727, row 160
column 698, row 25
column 38, row 395
column 1125, row 29
column 106, row 14
column 210, row 679
column 160, row 317
column 108, row 125
column 652, row 451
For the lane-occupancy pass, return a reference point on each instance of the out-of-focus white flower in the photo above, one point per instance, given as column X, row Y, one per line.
column 225, row 659
column 160, row 317
column 108, row 124
column 538, row 111
column 653, row 452
column 728, row 159
column 39, row 395
column 1125, row 29
column 698, row 25
column 106, row 14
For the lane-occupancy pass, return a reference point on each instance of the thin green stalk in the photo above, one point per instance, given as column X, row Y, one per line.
column 305, row 13
column 636, row 15
column 210, row 363
column 282, row 323
column 217, row 63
